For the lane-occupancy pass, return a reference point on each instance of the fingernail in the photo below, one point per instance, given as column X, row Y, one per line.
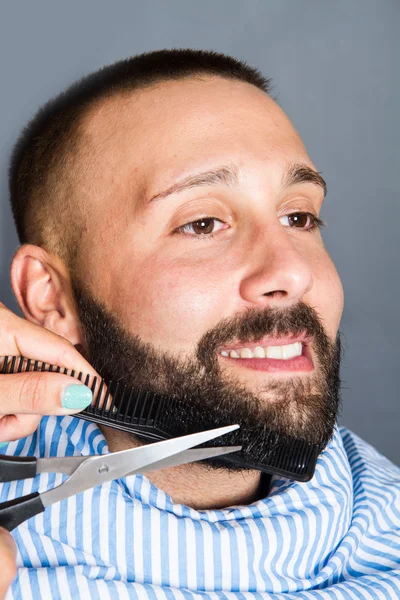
column 2, row 444
column 76, row 397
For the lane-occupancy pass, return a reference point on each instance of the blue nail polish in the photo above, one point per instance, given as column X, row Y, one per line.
column 76, row 397
column 3, row 444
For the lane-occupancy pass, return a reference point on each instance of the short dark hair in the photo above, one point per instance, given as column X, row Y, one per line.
column 43, row 171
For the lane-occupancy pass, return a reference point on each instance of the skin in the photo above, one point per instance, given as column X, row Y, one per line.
column 7, row 558
column 155, row 280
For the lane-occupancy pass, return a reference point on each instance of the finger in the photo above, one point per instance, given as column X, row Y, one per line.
column 7, row 561
column 15, row 427
column 19, row 337
column 42, row 394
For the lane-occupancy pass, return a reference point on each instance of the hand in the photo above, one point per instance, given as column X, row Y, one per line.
column 7, row 561
column 25, row 397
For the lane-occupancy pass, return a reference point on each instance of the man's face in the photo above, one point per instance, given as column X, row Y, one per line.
column 168, row 298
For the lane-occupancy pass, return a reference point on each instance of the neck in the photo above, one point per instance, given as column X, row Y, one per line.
column 194, row 485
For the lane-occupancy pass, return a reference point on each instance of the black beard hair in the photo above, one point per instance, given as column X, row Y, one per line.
column 302, row 407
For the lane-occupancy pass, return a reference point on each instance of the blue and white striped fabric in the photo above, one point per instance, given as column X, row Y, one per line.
column 336, row 536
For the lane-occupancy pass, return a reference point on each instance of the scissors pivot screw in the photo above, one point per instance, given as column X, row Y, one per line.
column 93, row 470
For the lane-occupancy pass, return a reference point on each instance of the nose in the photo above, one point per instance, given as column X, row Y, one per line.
column 278, row 274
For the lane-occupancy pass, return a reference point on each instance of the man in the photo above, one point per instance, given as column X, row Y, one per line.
column 168, row 212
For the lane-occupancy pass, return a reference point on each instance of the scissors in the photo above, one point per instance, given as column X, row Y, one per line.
column 90, row 471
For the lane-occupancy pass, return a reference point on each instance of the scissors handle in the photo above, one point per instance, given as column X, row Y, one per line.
column 13, row 468
column 14, row 512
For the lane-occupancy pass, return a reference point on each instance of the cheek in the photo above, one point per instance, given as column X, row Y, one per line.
column 327, row 295
column 172, row 306
column 173, row 303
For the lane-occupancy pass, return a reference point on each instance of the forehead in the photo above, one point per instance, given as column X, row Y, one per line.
column 154, row 135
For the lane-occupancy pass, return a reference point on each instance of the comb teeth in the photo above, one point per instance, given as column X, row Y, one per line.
column 136, row 411
column 145, row 413
column 295, row 461
column 149, row 415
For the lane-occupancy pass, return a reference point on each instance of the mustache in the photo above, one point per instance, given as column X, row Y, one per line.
column 254, row 323
column 301, row 408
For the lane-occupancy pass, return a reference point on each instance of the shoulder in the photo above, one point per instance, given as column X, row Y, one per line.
column 375, row 502
column 369, row 466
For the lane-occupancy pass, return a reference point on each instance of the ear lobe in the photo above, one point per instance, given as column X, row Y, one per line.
column 41, row 292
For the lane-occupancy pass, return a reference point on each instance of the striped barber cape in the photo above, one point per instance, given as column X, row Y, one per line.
column 336, row 536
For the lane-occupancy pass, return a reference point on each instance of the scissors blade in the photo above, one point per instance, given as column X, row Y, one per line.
column 189, row 456
column 97, row 470
column 60, row 464
column 68, row 464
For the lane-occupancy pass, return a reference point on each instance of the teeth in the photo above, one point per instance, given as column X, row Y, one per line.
column 291, row 351
column 274, row 352
column 259, row 352
column 246, row 353
column 277, row 352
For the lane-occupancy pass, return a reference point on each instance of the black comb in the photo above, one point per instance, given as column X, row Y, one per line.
column 150, row 416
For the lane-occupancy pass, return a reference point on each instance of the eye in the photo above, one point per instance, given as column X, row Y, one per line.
column 201, row 227
column 304, row 221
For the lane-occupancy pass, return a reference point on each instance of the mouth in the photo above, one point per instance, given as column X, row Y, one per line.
column 274, row 355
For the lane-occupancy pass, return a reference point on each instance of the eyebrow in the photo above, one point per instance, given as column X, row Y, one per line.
column 222, row 175
column 300, row 173
column 228, row 175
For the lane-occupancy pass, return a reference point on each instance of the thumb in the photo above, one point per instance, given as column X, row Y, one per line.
column 7, row 561
column 42, row 393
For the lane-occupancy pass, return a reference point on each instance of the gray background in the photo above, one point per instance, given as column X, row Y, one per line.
column 335, row 66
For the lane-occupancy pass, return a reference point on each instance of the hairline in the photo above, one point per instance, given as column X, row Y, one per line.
column 79, row 129
column 67, row 176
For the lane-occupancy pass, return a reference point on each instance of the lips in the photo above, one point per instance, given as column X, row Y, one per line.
column 269, row 341
column 303, row 363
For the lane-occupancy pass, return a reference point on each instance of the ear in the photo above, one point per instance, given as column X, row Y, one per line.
column 42, row 286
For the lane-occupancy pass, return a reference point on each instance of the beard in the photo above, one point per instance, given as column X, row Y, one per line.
column 206, row 396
